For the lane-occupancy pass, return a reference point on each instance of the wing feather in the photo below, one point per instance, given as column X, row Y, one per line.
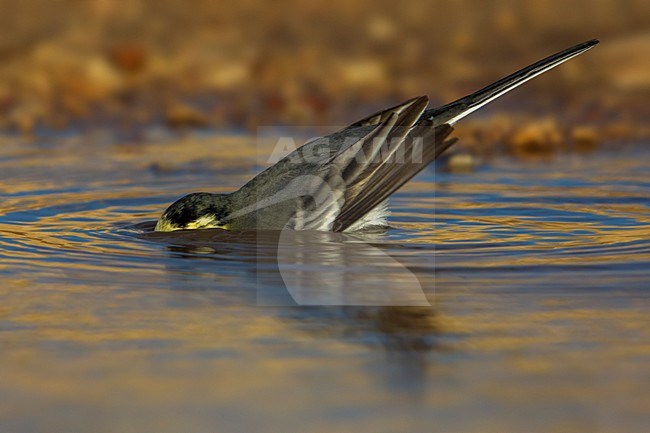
column 393, row 175
column 379, row 163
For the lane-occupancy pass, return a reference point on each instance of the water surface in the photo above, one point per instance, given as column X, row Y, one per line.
column 533, row 315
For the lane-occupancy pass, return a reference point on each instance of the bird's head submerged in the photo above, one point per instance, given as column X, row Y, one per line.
column 199, row 210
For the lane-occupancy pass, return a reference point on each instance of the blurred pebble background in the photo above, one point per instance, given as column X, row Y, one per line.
column 238, row 65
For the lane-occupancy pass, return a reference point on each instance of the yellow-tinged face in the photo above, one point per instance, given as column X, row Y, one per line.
column 203, row 222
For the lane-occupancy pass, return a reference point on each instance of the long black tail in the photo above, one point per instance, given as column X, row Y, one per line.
column 454, row 111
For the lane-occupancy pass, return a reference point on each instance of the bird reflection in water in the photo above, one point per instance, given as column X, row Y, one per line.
column 313, row 268
column 345, row 285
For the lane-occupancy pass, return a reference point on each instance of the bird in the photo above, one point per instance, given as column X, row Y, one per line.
column 341, row 182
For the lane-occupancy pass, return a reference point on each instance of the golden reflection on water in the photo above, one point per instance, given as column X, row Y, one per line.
column 538, row 319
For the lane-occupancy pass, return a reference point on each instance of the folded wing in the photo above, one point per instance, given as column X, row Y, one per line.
column 381, row 162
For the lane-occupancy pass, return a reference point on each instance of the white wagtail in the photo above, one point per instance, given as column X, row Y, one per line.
column 341, row 182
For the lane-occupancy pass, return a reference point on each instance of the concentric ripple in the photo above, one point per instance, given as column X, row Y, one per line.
column 523, row 282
